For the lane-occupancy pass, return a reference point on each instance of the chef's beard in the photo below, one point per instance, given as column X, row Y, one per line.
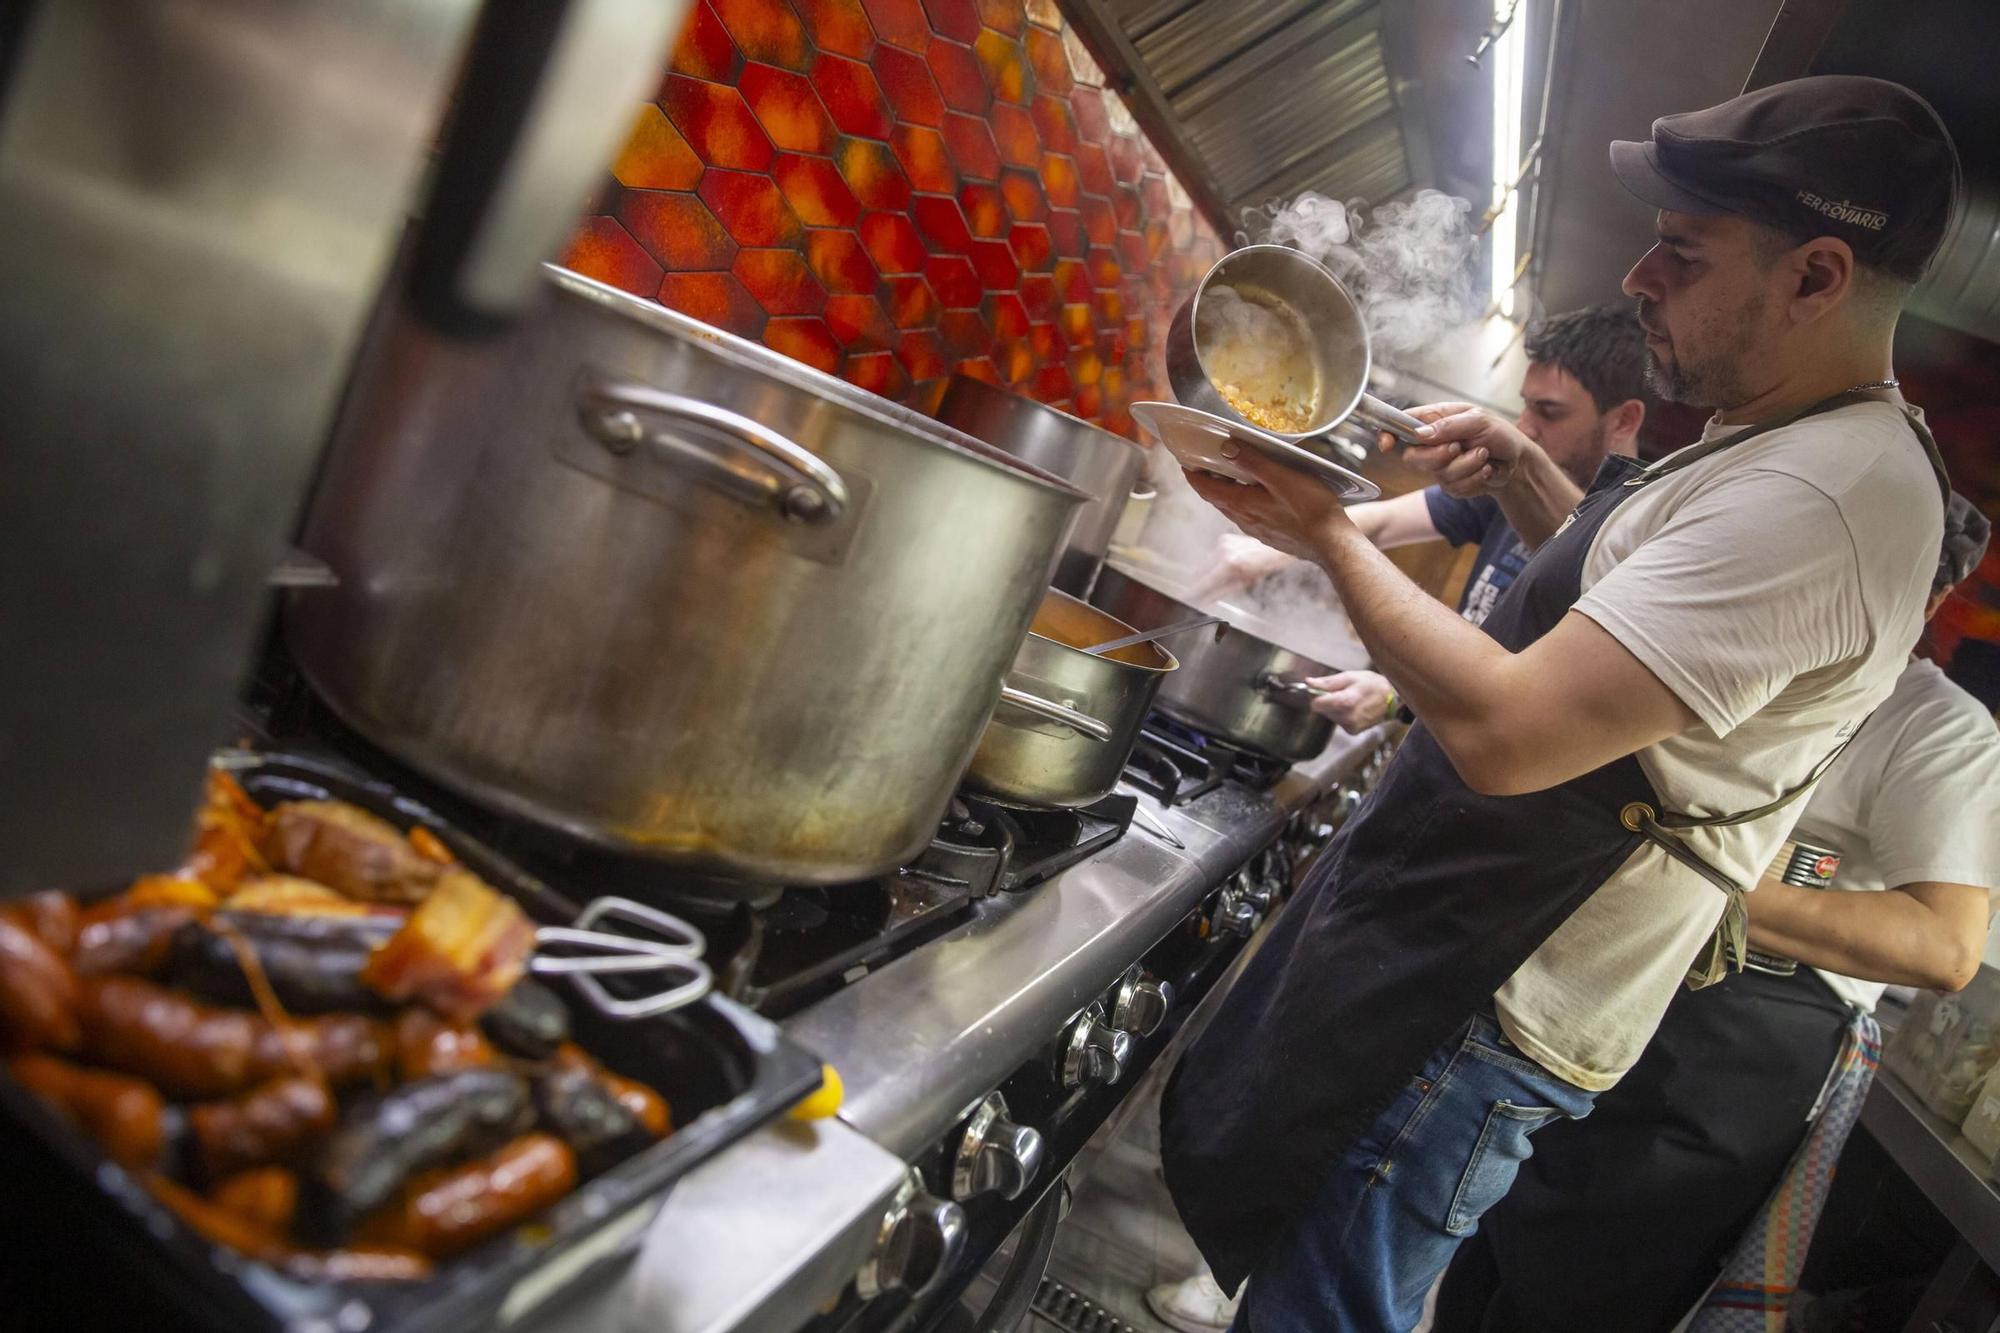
column 1711, row 378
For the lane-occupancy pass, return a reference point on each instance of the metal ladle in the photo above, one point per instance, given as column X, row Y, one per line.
column 1148, row 635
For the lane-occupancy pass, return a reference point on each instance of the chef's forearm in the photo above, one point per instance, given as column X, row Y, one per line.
column 1893, row 936
column 1445, row 669
column 1538, row 498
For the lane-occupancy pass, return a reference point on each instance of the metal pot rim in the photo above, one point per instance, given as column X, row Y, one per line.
column 1129, row 576
column 762, row 360
column 979, row 386
column 1331, row 421
column 1173, row 663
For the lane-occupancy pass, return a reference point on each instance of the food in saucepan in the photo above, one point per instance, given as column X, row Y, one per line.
column 1259, row 355
column 316, row 1043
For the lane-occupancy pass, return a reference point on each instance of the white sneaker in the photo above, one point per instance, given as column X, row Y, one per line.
column 1193, row 1305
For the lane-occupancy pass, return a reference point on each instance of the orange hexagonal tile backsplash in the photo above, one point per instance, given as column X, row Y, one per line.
column 891, row 190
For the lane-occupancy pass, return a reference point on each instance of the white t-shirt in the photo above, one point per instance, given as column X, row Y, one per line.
column 1775, row 588
column 1915, row 797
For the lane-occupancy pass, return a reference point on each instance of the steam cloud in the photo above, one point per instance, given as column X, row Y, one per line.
column 1408, row 264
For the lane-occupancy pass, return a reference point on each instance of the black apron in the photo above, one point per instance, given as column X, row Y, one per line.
column 1621, row 1220
column 1429, row 900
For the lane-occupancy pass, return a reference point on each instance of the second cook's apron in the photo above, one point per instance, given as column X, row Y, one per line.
column 1423, row 907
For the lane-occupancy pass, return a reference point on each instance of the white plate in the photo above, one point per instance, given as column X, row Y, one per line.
column 1207, row 443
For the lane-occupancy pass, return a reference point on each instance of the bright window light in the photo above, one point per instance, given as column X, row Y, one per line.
column 1509, row 56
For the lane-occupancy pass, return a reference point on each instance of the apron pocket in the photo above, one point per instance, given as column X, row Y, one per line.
column 1496, row 1158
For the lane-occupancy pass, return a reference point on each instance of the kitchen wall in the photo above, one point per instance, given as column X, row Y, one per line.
column 891, row 190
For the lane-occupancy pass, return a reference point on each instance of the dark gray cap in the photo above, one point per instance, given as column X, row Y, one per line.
column 1865, row 160
column 1965, row 534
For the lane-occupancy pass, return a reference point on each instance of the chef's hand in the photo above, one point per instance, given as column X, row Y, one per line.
column 1355, row 700
column 1284, row 509
column 1237, row 562
column 1471, row 451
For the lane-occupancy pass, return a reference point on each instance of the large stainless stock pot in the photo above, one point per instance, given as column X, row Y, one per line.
column 1086, row 456
column 671, row 591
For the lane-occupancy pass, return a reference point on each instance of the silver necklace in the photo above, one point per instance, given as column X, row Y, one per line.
column 1890, row 383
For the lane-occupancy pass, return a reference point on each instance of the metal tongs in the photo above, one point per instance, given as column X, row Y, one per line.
column 673, row 948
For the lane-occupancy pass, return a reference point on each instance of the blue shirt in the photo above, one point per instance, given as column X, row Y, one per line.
column 1501, row 553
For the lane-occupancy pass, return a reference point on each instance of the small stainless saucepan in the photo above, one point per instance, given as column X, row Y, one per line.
column 1067, row 718
column 1239, row 688
column 1314, row 348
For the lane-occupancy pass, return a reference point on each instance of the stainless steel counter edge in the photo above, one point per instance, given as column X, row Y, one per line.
column 756, row 1240
column 922, row 1040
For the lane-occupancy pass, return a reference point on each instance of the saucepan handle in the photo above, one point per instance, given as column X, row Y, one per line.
column 1081, row 723
column 1289, row 691
column 1373, row 412
column 733, row 453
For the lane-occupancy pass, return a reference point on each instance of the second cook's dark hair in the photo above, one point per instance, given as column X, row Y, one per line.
column 1602, row 346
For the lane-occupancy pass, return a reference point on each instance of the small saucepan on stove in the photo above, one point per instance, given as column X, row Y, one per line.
column 1272, row 339
column 1067, row 718
column 1239, row 688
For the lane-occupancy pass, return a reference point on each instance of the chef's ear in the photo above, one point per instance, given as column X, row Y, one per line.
column 1826, row 278
column 1625, row 420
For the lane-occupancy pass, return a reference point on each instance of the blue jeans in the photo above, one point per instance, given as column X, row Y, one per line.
column 1408, row 1191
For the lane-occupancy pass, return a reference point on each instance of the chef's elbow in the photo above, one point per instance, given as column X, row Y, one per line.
column 1490, row 764
column 1954, row 965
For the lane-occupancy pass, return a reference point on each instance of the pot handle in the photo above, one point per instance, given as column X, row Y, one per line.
column 1288, row 691
column 1081, row 723
column 1372, row 412
column 759, row 466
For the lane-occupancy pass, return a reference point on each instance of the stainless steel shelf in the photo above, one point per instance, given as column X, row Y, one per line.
column 1938, row 1160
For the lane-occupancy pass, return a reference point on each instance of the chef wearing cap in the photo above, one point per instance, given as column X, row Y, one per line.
column 1623, row 1220
column 1597, row 778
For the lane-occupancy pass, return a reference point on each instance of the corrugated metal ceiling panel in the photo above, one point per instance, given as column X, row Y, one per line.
column 1270, row 113
column 1273, row 97
column 1194, row 41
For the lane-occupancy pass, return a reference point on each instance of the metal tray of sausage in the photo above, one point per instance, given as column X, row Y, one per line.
column 724, row 1070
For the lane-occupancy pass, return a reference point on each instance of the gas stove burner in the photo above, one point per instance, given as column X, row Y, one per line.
column 1044, row 841
column 1176, row 763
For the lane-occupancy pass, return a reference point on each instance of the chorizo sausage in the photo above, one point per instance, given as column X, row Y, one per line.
column 190, row 1049
column 38, row 992
column 125, row 1115
column 267, row 1197
column 273, row 1123
column 443, row 1215
column 135, row 940
column 51, row 916
column 427, row 1045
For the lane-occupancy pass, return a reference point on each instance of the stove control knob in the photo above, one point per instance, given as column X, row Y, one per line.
column 1142, row 1003
column 996, row 1155
column 1234, row 915
column 921, row 1239
column 1096, row 1052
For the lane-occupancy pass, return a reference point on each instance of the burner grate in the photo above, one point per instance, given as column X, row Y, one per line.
column 1041, row 843
column 1176, row 764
